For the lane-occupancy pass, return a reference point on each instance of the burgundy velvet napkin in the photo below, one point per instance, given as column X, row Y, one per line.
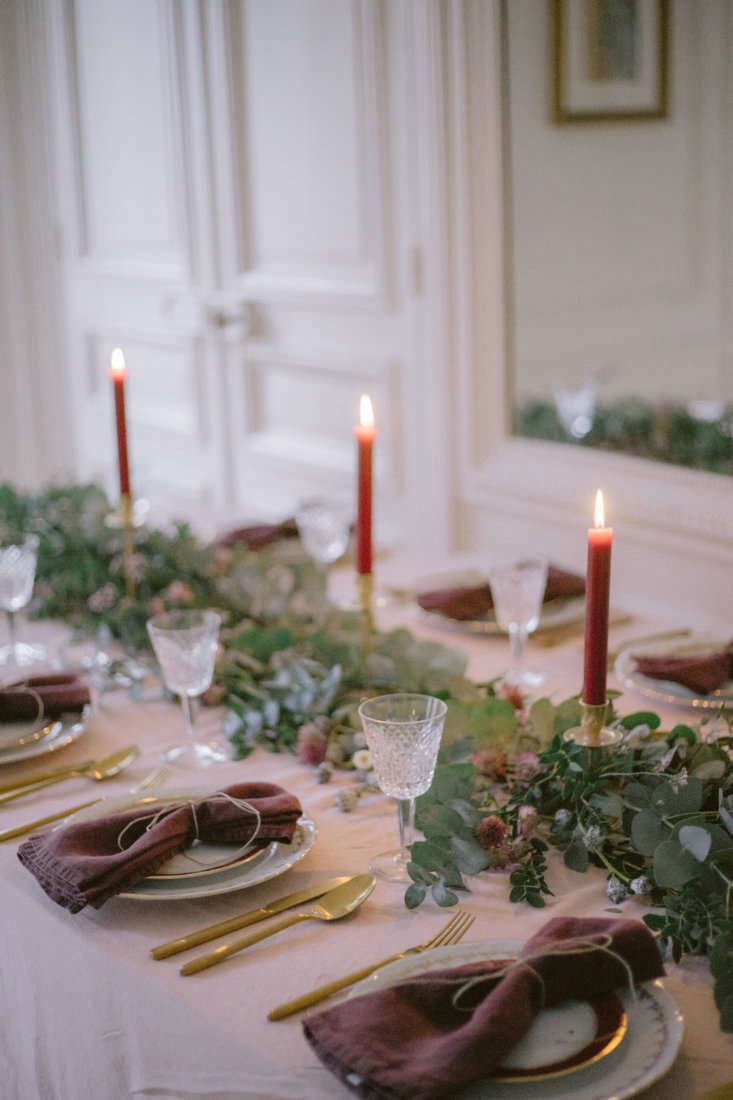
column 409, row 1041
column 59, row 694
column 471, row 601
column 701, row 674
column 258, row 535
column 82, row 864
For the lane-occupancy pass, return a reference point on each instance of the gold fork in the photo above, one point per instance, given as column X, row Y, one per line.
column 451, row 933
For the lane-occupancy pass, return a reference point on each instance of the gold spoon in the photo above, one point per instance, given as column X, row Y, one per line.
column 332, row 906
column 105, row 768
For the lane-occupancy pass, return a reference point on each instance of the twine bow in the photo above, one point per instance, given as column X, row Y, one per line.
column 156, row 816
column 578, row 945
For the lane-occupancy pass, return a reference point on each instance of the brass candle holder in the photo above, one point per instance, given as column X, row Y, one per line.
column 127, row 522
column 365, row 594
column 593, row 732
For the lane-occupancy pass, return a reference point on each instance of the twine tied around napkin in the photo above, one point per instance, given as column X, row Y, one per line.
column 573, row 946
column 154, row 817
column 82, row 864
column 43, row 696
column 410, row 1041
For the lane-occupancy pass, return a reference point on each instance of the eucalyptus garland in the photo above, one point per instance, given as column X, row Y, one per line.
column 655, row 812
column 661, row 432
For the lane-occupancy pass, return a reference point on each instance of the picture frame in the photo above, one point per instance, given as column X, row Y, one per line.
column 610, row 60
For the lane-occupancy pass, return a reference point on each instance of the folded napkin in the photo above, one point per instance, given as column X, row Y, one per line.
column 701, row 674
column 55, row 693
column 258, row 535
column 471, row 601
column 410, row 1041
column 83, row 865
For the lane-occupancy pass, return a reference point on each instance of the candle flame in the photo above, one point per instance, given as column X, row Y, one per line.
column 117, row 368
column 600, row 513
column 366, row 412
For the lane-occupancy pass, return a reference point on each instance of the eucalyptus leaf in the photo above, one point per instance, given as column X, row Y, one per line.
column 647, row 832
column 673, row 865
column 469, row 855
column 673, row 798
column 414, row 895
column 695, row 840
column 641, row 718
column 576, row 855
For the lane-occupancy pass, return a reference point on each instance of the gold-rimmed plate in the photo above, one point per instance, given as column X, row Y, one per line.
column 640, row 1055
column 667, row 691
column 55, row 735
column 250, row 869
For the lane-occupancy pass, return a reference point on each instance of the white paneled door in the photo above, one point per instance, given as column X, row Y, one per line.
column 241, row 216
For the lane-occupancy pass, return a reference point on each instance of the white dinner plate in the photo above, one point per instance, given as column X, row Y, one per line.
column 559, row 612
column 64, row 731
column 647, row 1050
column 667, row 691
column 249, row 870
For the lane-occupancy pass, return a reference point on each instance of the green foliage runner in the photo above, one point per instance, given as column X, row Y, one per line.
column 655, row 812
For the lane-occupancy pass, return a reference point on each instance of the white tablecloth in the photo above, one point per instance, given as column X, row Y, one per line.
column 87, row 1014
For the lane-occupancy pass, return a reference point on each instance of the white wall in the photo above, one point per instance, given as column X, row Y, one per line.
column 623, row 231
column 36, row 443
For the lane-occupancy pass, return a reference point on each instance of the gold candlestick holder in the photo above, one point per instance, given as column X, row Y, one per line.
column 127, row 523
column 365, row 593
column 593, row 732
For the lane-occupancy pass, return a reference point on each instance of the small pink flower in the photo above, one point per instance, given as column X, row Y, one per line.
column 223, row 558
column 490, row 832
column 490, row 762
column 512, row 695
column 214, row 695
column 103, row 599
column 310, row 747
column 179, row 592
column 527, row 766
column 156, row 606
column 528, row 819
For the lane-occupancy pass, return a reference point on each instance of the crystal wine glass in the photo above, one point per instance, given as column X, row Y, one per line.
column 403, row 734
column 17, row 575
column 185, row 644
column 324, row 529
column 517, row 591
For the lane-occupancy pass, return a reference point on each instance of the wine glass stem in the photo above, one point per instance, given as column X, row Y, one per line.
column 187, row 719
column 12, row 633
column 406, row 817
column 517, row 638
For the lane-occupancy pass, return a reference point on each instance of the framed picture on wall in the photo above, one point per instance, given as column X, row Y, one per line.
column 610, row 59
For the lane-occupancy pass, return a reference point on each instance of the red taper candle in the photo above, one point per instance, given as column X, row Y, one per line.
column 118, row 374
column 597, row 592
column 365, row 432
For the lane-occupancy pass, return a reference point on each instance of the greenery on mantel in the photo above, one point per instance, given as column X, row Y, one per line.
column 654, row 812
column 660, row 432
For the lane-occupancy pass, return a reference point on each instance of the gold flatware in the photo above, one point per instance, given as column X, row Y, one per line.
column 451, row 933
column 53, row 774
column 31, row 826
column 105, row 768
column 332, row 906
column 146, row 784
column 252, row 916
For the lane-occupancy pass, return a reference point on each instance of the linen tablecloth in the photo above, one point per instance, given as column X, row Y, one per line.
column 88, row 1016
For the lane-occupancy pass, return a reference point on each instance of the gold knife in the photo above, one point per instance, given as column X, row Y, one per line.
column 252, row 916
column 31, row 826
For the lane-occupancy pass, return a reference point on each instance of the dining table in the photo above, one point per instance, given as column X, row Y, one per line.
column 89, row 1015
